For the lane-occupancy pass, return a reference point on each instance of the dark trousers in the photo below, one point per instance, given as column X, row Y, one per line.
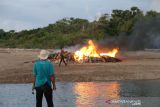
column 62, row 60
column 47, row 91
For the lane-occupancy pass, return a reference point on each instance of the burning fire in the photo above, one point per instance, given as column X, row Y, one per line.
column 91, row 51
column 111, row 53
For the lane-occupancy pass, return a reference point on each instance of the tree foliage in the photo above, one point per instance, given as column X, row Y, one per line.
column 71, row 31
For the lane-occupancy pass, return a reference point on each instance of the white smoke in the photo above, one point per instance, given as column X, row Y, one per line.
column 98, row 15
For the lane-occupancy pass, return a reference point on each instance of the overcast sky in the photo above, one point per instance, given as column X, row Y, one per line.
column 28, row 14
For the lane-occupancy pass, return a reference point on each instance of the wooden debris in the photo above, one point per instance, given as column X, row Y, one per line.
column 69, row 57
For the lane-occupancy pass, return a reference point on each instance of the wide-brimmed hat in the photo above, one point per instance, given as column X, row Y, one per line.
column 43, row 54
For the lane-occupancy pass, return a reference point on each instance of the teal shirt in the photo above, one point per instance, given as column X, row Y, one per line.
column 43, row 70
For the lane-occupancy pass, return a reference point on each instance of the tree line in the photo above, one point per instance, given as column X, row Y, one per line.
column 72, row 31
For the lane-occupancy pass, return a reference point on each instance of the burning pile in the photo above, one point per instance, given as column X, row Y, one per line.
column 90, row 53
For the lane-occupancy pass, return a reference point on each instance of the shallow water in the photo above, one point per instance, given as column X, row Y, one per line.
column 87, row 94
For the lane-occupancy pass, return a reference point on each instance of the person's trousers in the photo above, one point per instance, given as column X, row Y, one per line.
column 62, row 60
column 47, row 91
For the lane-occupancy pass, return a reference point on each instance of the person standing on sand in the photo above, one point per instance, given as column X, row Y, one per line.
column 62, row 54
column 44, row 79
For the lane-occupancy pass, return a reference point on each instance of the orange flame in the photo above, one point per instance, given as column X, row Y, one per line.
column 91, row 51
column 111, row 53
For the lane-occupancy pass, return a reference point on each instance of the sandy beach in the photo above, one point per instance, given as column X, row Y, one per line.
column 16, row 67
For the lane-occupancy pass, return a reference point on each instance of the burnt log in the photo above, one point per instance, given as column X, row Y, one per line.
column 111, row 59
column 95, row 60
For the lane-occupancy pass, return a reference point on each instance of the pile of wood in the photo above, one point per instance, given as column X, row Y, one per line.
column 69, row 57
column 111, row 59
column 103, row 59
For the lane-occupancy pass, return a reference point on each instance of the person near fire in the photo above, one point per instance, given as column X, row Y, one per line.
column 62, row 55
column 44, row 79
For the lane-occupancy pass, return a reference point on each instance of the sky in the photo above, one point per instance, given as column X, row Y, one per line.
column 28, row 14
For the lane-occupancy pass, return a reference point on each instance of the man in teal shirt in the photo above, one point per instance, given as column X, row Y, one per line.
column 44, row 80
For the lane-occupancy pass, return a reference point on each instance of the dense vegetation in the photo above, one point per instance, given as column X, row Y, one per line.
column 71, row 31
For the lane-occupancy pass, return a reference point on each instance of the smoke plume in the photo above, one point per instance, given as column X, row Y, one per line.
column 145, row 34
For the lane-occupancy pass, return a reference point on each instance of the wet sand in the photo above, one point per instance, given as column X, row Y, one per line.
column 16, row 67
